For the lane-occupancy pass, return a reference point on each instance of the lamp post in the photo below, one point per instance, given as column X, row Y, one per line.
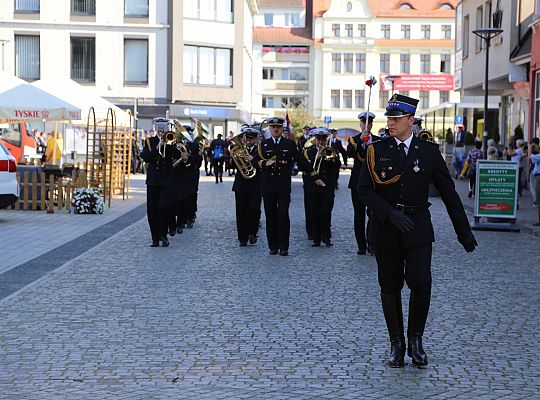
column 487, row 34
column 392, row 78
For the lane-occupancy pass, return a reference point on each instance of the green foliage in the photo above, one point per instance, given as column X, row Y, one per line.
column 299, row 117
column 449, row 136
column 518, row 132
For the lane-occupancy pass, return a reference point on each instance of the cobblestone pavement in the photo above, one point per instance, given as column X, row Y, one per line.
column 206, row 319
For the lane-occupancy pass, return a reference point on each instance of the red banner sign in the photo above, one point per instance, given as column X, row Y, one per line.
column 441, row 82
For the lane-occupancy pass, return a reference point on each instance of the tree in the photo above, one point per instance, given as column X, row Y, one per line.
column 299, row 117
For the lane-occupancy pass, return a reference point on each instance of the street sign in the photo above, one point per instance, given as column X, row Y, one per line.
column 458, row 119
column 496, row 194
column 327, row 119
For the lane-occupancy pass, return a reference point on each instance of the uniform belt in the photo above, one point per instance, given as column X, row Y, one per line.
column 412, row 209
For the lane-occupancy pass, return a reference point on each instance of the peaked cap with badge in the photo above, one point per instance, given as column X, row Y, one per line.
column 276, row 121
column 400, row 105
column 319, row 131
column 364, row 115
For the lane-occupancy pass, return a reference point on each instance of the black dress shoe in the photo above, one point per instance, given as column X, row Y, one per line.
column 327, row 242
column 397, row 353
column 316, row 243
column 179, row 230
column 416, row 351
column 273, row 252
column 164, row 242
column 172, row 231
column 309, row 237
column 283, row 253
column 361, row 252
column 189, row 225
column 155, row 243
column 243, row 244
column 252, row 238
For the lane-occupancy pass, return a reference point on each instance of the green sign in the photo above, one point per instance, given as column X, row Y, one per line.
column 496, row 189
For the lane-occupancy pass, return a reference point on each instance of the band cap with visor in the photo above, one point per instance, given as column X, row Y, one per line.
column 400, row 105
column 319, row 131
column 364, row 115
column 276, row 121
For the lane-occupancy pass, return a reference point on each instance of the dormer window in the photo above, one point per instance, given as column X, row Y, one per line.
column 446, row 6
column 406, row 6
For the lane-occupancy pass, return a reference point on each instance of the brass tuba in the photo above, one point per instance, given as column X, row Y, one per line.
column 424, row 134
column 239, row 154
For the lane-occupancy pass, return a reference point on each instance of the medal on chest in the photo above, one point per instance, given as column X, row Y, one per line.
column 383, row 174
column 416, row 168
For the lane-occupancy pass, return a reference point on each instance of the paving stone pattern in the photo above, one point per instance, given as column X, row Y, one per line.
column 206, row 319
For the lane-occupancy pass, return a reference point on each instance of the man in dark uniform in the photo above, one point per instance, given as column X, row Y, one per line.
column 177, row 219
column 321, row 197
column 217, row 149
column 394, row 184
column 247, row 194
column 193, row 166
column 337, row 145
column 301, row 142
column 160, row 192
column 356, row 149
column 275, row 158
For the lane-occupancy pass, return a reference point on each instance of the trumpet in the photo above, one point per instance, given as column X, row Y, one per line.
column 239, row 154
column 325, row 153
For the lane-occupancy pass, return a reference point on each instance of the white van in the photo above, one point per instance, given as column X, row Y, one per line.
column 9, row 189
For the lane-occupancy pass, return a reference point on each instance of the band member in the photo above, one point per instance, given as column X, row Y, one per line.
column 394, row 184
column 217, row 148
column 177, row 219
column 275, row 157
column 193, row 167
column 356, row 149
column 160, row 192
column 337, row 145
column 304, row 138
column 247, row 194
column 323, row 159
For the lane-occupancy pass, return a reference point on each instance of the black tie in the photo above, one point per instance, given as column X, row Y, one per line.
column 276, row 141
column 402, row 151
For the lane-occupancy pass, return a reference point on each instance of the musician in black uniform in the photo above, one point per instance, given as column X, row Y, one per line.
column 323, row 159
column 337, row 145
column 160, row 192
column 275, row 158
column 356, row 149
column 301, row 141
column 193, row 166
column 247, row 194
column 394, row 184
column 177, row 219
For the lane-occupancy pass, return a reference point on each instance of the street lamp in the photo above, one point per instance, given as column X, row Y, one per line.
column 487, row 34
column 392, row 78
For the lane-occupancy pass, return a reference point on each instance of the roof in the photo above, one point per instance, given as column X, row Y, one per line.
column 282, row 35
column 420, row 8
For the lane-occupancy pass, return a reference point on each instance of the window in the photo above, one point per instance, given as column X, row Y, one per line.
column 83, row 7
column 27, row 57
column 299, row 74
column 336, row 62
column 27, row 6
column 136, row 8
column 446, row 6
column 347, row 99
column 284, row 74
column 268, row 19
column 405, row 63
column 268, row 102
column 445, row 63
column 83, row 59
column 360, row 63
column 406, row 6
column 465, row 39
column 135, row 61
column 383, row 99
column 292, row 20
column 385, row 63
column 405, row 93
column 335, row 30
column 208, row 66
column 424, row 99
column 445, row 97
column 348, row 63
column 385, row 29
column 425, row 63
column 487, row 14
column 405, row 31
column 359, row 96
column 268, row 73
column 348, row 30
column 335, row 98
column 362, row 30
column 426, row 31
column 479, row 16
column 447, row 31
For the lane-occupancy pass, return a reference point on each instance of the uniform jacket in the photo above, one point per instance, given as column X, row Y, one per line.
column 277, row 177
column 243, row 185
column 356, row 149
column 159, row 169
column 337, row 145
column 301, row 141
column 327, row 172
column 422, row 166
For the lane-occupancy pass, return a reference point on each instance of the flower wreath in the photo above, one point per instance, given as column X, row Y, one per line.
column 87, row 201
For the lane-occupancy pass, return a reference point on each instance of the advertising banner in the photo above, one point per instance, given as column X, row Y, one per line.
column 496, row 189
column 442, row 82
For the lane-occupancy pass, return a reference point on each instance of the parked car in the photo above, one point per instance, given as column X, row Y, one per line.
column 17, row 139
column 9, row 189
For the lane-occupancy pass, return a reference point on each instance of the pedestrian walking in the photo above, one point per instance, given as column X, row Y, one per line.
column 275, row 159
column 535, row 161
column 217, row 149
column 472, row 159
column 394, row 184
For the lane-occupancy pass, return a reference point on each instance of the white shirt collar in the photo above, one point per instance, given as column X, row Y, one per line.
column 407, row 142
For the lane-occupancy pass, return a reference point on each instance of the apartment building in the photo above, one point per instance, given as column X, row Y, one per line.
column 118, row 47
column 407, row 46
column 534, row 97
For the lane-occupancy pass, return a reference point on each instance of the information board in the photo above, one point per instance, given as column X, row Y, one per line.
column 496, row 189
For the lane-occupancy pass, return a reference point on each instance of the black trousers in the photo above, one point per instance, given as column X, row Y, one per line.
column 307, row 212
column 398, row 265
column 158, row 209
column 248, row 214
column 218, row 168
column 322, row 204
column 278, row 224
column 359, row 220
column 190, row 204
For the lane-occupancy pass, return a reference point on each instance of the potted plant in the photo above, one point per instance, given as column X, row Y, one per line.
column 87, row 201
